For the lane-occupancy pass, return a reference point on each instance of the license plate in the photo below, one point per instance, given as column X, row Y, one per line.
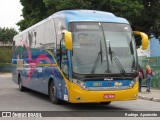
column 109, row 95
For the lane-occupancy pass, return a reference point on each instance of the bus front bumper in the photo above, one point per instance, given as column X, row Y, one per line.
column 78, row 95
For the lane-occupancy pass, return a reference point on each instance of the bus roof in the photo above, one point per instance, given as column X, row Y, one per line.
column 80, row 16
column 89, row 15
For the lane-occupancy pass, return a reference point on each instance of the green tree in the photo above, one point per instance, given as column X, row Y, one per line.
column 149, row 21
column 33, row 11
column 7, row 34
column 36, row 10
column 126, row 8
column 57, row 5
column 144, row 15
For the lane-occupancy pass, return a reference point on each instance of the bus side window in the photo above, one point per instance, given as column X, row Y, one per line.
column 50, row 36
column 59, row 26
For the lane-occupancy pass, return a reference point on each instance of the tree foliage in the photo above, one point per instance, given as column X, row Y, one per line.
column 33, row 11
column 7, row 34
column 57, row 5
column 142, row 14
column 149, row 21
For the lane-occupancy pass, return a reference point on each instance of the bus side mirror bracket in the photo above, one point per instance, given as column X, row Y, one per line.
column 67, row 39
column 144, row 39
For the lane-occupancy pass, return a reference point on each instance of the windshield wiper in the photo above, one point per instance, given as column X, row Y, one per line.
column 97, row 58
column 114, row 57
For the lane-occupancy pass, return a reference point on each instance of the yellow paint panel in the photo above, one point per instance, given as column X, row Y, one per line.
column 53, row 65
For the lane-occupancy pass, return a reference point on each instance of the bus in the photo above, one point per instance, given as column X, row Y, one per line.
column 78, row 56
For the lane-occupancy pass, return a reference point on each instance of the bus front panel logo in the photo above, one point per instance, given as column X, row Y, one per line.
column 108, row 78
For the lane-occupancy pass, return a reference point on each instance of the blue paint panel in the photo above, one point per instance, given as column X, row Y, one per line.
column 107, row 83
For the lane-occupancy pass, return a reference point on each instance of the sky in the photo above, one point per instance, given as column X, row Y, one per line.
column 10, row 13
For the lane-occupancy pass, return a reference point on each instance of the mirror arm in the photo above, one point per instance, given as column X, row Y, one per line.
column 60, row 52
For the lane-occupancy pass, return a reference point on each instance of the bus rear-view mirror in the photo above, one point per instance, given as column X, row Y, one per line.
column 142, row 39
column 68, row 39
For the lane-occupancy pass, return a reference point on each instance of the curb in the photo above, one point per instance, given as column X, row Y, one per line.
column 149, row 98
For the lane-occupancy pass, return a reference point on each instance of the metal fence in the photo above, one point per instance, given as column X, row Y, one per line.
column 154, row 62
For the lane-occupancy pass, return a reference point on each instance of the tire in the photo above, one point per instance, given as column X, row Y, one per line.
column 105, row 103
column 52, row 93
column 21, row 88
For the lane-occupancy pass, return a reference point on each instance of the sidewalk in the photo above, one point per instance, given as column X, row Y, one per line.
column 154, row 95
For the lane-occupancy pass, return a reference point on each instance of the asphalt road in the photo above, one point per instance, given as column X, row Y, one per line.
column 11, row 99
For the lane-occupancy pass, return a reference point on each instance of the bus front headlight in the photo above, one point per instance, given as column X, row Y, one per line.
column 133, row 82
column 80, row 83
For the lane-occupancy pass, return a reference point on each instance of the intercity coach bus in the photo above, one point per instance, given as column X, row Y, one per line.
column 78, row 56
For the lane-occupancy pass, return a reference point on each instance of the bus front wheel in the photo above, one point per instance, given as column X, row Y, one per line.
column 105, row 103
column 52, row 93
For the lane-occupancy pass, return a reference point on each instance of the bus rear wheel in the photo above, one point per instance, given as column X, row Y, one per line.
column 21, row 88
column 52, row 93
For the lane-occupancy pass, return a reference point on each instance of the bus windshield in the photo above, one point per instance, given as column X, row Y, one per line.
column 102, row 48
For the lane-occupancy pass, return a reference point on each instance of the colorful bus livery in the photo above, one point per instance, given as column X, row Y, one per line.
column 78, row 56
